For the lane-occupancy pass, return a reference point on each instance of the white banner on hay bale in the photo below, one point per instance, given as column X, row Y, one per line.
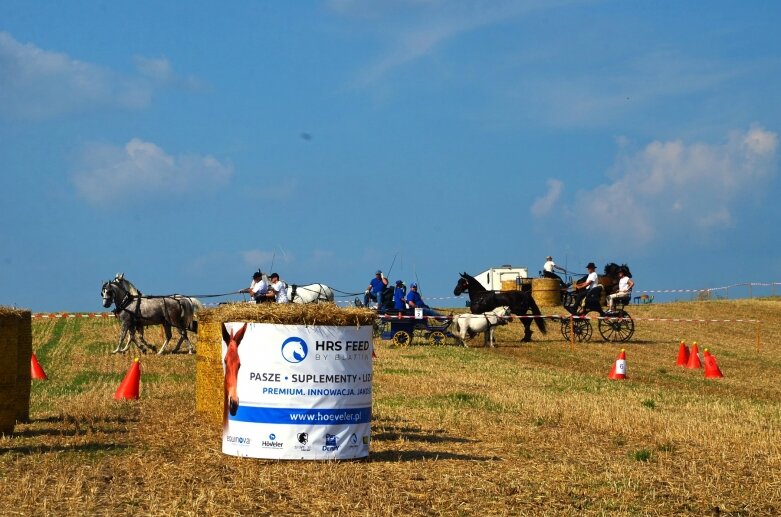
column 305, row 392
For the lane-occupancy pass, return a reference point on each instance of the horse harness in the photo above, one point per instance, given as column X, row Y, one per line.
column 128, row 299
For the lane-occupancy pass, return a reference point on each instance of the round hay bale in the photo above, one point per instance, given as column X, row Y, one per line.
column 9, row 345
column 546, row 292
column 23, row 375
column 209, row 373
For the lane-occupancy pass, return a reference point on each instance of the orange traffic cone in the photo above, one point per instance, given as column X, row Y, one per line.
column 618, row 372
column 712, row 370
column 683, row 355
column 128, row 388
column 694, row 358
column 36, row 371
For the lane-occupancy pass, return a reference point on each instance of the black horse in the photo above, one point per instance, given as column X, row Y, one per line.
column 520, row 302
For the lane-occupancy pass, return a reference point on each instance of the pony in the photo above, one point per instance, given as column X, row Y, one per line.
column 232, row 364
column 473, row 324
column 310, row 293
column 134, row 311
column 520, row 302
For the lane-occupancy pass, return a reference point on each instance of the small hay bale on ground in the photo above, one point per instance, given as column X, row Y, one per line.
column 14, row 387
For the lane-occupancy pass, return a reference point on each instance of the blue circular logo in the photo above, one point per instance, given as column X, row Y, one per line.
column 294, row 350
column 272, row 436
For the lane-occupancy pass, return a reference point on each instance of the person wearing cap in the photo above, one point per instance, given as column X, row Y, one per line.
column 376, row 288
column 547, row 269
column 399, row 293
column 278, row 289
column 414, row 301
column 625, row 285
column 258, row 289
column 585, row 287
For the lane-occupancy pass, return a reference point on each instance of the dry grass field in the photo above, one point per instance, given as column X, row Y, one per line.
column 522, row 429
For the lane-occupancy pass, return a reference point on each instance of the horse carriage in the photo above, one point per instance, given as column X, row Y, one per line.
column 402, row 327
column 615, row 325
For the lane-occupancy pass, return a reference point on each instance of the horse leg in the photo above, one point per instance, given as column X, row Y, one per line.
column 462, row 336
column 182, row 337
column 141, row 348
column 167, row 329
column 146, row 344
column 122, row 334
column 527, row 331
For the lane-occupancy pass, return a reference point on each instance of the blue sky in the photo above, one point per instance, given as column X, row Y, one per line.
column 186, row 144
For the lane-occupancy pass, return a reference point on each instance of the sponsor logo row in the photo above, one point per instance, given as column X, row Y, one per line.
column 329, row 443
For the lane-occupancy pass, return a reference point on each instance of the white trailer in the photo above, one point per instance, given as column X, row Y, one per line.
column 505, row 278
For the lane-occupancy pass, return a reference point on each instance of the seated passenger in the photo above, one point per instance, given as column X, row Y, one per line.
column 625, row 285
column 399, row 293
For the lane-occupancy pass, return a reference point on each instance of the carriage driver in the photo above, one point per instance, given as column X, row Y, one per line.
column 258, row 289
column 414, row 301
column 547, row 270
column 591, row 282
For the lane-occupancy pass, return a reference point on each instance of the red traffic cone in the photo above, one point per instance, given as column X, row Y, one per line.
column 712, row 370
column 683, row 355
column 694, row 358
column 128, row 388
column 618, row 372
column 36, row 371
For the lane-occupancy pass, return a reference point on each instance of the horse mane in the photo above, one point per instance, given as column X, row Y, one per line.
column 474, row 285
column 127, row 285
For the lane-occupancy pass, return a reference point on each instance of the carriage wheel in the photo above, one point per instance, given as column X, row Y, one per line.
column 581, row 328
column 436, row 338
column 402, row 338
column 618, row 328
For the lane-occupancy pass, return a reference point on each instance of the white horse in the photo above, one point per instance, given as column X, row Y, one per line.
column 311, row 293
column 473, row 324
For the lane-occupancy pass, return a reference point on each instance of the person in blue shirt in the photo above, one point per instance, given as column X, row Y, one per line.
column 414, row 301
column 375, row 289
column 399, row 303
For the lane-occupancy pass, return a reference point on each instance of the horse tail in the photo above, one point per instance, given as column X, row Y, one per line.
column 537, row 314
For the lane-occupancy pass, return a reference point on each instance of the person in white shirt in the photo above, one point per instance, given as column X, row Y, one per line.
column 625, row 285
column 258, row 289
column 279, row 288
column 585, row 287
column 547, row 269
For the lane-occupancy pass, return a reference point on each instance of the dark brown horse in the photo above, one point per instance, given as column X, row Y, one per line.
column 520, row 302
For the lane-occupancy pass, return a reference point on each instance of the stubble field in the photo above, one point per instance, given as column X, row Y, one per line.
column 521, row 429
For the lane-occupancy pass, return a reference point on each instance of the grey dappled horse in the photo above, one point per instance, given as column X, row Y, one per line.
column 134, row 311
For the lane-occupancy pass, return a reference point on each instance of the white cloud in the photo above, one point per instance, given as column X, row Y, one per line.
column 108, row 174
column 415, row 29
column 542, row 206
column 38, row 84
column 677, row 188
